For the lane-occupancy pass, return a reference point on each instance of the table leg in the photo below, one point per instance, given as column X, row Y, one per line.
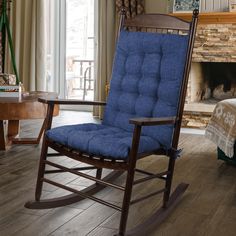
column 30, row 140
column 6, row 135
column 2, row 136
column 13, row 128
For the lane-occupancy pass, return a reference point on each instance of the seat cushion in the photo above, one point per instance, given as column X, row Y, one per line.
column 100, row 139
column 146, row 80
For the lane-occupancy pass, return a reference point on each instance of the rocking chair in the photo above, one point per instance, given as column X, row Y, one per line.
column 149, row 79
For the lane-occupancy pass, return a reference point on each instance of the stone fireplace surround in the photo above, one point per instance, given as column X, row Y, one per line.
column 215, row 42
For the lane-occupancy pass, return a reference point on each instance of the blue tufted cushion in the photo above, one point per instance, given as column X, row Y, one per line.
column 146, row 79
column 100, row 140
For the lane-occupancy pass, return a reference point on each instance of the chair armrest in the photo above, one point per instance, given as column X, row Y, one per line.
column 153, row 121
column 71, row 102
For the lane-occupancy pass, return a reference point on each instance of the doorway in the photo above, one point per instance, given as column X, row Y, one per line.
column 71, row 48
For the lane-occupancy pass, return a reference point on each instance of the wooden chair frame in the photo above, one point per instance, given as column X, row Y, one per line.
column 148, row 21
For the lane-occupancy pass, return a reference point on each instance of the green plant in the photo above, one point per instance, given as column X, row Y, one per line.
column 6, row 31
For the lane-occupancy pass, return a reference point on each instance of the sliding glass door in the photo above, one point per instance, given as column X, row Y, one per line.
column 80, row 49
column 71, row 47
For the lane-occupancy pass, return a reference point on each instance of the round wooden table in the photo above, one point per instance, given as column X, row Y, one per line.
column 12, row 110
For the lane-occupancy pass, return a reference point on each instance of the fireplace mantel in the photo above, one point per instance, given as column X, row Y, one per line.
column 210, row 17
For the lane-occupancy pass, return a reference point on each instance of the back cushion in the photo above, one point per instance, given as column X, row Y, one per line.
column 146, row 79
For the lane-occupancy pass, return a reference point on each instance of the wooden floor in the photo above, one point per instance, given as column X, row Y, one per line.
column 207, row 208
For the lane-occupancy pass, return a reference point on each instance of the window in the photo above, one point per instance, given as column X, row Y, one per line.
column 70, row 48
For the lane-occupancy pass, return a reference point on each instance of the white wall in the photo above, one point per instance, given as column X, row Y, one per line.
column 156, row 6
column 161, row 6
column 214, row 5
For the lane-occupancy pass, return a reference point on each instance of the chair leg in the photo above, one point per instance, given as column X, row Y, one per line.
column 99, row 174
column 168, row 184
column 129, row 180
column 126, row 201
column 41, row 171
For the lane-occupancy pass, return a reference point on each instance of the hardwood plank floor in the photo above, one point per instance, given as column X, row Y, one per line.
column 208, row 207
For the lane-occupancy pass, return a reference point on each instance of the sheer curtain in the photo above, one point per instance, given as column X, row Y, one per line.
column 29, row 37
column 106, row 31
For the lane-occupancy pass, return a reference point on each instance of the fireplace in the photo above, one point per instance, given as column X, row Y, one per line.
column 212, row 81
column 214, row 48
column 213, row 73
column 209, row 83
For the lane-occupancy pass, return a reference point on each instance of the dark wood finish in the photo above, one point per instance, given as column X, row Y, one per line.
column 184, row 85
column 71, row 198
column 153, row 121
column 48, row 124
column 151, row 176
column 13, row 128
column 25, row 107
column 96, row 161
column 147, row 196
column 96, row 179
column 206, row 208
column 165, row 23
column 81, row 194
column 129, row 179
column 160, row 215
column 157, row 21
column 2, row 137
column 71, row 102
column 75, row 169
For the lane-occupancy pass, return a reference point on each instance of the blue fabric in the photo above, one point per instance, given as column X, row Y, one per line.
column 146, row 80
column 100, row 140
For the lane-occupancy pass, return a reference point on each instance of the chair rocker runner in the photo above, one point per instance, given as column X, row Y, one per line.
column 149, row 79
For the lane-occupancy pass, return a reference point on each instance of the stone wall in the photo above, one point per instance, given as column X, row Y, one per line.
column 215, row 43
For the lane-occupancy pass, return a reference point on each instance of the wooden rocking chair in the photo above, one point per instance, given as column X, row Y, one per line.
column 149, row 79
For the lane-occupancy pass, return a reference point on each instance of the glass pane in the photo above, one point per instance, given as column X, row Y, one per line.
column 79, row 82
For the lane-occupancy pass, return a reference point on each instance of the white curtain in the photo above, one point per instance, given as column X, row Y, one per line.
column 28, row 24
column 106, row 31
